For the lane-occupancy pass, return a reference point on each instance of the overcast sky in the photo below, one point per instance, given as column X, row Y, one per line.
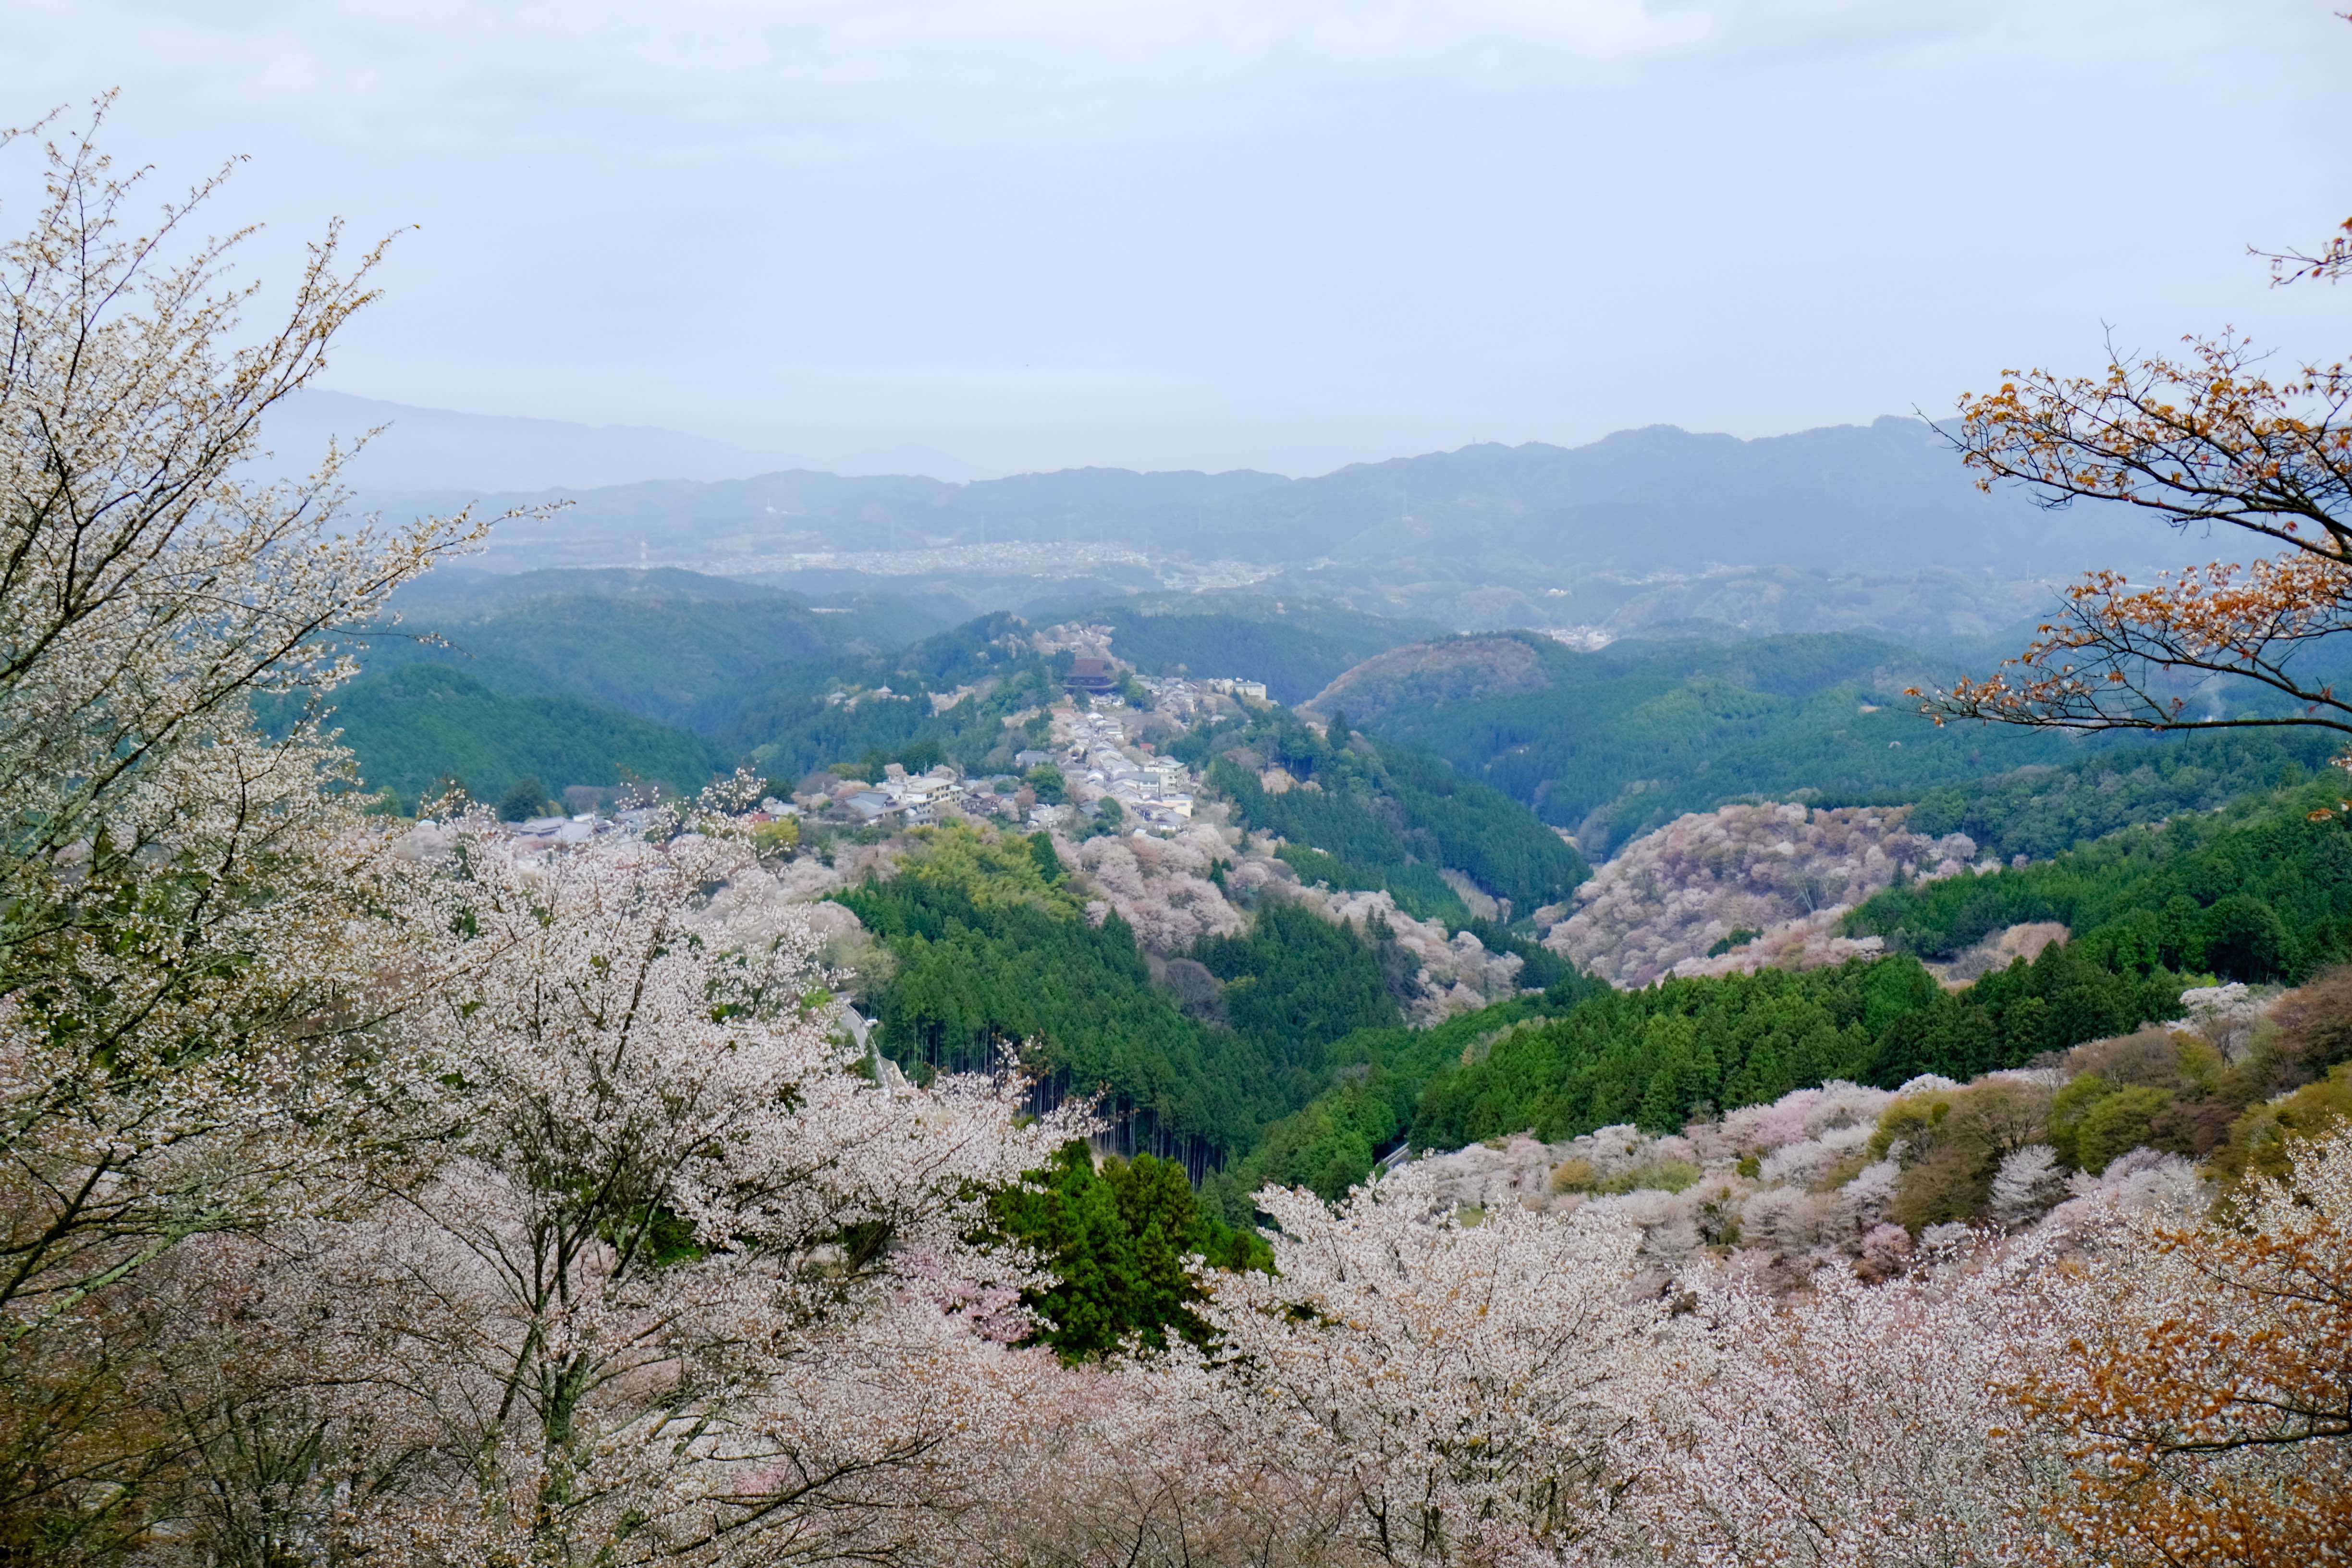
column 1282, row 234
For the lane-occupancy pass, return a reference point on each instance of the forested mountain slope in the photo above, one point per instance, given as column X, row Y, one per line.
column 2260, row 893
column 1196, row 975
column 1614, row 742
column 420, row 727
column 676, row 648
column 753, row 669
column 1365, row 814
column 1249, row 1067
column 2041, row 810
column 589, row 677
column 1608, row 743
column 989, row 943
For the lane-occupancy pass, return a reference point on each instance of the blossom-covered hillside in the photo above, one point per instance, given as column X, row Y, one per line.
column 1161, row 888
column 1742, row 887
column 1849, row 1177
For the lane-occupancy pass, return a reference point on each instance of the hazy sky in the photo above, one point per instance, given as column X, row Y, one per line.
column 1286, row 234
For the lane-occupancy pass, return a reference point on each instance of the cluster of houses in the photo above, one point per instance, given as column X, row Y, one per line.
column 1092, row 751
column 899, row 799
column 1152, row 791
column 848, row 701
column 1181, row 698
column 549, row 831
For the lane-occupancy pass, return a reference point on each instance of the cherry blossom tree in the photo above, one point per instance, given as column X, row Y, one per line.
column 1455, row 1389
column 688, row 1284
column 1851, row 1424
column 202, row 941
column 1134, row 1463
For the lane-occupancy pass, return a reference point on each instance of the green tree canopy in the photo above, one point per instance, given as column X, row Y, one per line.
column 1119, row 1240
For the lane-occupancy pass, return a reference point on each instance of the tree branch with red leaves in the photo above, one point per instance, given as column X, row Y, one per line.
column 2208, row 1406
column 2334, row 260
column 2207, row 439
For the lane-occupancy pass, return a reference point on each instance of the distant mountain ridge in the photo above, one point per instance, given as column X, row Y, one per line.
column 1886, row 496
column 442, row 448
column 435, row 448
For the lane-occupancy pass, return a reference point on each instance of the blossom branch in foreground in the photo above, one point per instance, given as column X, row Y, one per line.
column 2203, row 439
column 204, row 946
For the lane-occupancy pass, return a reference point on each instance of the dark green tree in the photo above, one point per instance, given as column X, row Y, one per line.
column 1040, row 850
column 1047, row 780
column 2245, row 939
column 526, row 797
column 1119, row 1239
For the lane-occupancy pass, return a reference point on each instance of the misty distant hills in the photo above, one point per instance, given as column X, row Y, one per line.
column 1888, row 497
column 437, row 448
